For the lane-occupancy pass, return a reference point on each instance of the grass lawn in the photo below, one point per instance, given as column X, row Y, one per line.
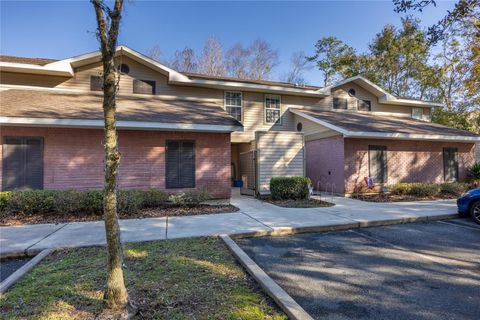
column 173, row 279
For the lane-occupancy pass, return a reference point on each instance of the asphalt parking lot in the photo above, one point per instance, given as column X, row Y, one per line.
column 425, row 270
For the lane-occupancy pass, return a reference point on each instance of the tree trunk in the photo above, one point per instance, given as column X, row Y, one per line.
column 116, row 296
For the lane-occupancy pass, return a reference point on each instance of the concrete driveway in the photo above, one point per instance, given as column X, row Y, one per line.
column 425, row 270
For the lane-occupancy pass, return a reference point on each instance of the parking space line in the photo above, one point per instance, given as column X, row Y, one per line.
column 438, row 260
column 459, row 225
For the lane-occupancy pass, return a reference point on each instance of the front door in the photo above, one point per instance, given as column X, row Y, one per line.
column 450, row 164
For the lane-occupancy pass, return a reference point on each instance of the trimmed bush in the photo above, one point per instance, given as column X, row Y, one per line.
column 284, row 188
column 189, row 198
column 419, row 189
column 453, row 188
column 474, row 172
column 77, row 202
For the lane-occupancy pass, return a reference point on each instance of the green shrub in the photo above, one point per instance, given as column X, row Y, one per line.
column 420, row 189
column 474, row 172
column 453, row 188
column 80, row 202
column 189, row 198
column 153, row 198
column 284, row 188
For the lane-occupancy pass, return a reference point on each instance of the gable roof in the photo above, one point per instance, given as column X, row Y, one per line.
column 66, row 68
column 63, row 108
column 367, row 125
column 382, row 95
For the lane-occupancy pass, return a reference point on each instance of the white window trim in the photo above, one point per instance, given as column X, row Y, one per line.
column 279, row 123
column 241, row 102
column 418, row 108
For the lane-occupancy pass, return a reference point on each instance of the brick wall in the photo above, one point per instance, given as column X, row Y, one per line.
column 407, row 161
column 73, row 158
column 325, row 163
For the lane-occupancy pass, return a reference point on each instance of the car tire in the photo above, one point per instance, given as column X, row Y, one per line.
column 475, row 211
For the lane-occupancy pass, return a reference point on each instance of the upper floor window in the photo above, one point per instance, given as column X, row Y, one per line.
column 417, row 113
column 144, row 86
column 364, row 105
column 272, row 109
column 96, row 83
column 351, row 92
column 233, row 104
column 339, row 103
column 124, row 68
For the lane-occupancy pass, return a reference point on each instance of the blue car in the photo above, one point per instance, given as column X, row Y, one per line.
column 469, row 204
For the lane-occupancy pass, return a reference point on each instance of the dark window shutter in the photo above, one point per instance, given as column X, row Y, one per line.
column 187, row 161
column 22, row 163
column 34, row 163
column 450, row 164
column 13, row 174
column 144, row 86
column 377, row 163
column 96, row 83
column 180, row 164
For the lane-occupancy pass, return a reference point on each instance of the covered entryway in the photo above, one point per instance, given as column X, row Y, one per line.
column 248, row 172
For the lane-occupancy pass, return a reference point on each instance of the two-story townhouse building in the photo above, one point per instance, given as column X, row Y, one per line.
column 181, row 131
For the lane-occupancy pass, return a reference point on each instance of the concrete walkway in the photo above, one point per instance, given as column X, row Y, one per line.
column 254, row 217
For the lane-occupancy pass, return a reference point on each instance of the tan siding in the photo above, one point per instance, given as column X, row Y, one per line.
column 278, row 154
column 23, row 79
column 312, row 130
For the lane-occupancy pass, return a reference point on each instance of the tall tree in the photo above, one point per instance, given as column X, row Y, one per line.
column 263, row 58
column 298, row 64
column 237, row 62
column 211, row 60
column 332, row 56
column 108, row 23
column 184, row 60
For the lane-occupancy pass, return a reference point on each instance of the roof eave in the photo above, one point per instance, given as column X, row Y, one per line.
column 121, row 124
column 63, row 71
column 411, row 136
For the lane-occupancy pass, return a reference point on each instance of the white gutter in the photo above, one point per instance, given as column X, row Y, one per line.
column 386, row 135
column 58, row 70
column 132, row 125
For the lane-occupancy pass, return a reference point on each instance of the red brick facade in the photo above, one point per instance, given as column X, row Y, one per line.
column 407, row 160
column 73, row 158
column 344, row 162
column 325, row 159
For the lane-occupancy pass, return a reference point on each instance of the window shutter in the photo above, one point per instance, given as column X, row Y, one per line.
column 13, row 173
column 377, row 160
column 450, row 164
column 172, row 164
column 187, row 161
column 34, row 163
column 143, row 86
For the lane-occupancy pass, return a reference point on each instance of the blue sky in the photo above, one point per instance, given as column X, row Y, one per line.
column 60, row 29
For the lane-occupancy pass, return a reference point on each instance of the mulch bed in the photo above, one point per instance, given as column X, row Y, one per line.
column 310, row 203
column 399, row 198
column 21, row 218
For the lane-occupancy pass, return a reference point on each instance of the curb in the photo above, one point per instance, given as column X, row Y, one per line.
column 17, row 275
column 19, row 254
column 285, row 231
column 285, row 302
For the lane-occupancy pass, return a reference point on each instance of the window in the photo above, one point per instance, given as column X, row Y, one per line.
column 233, row 104
column 22, row 163
column 351, row 92
column 299, row 127
column 377, row 163
column 180, row 164
column 450, row 164
column 339, row 103
column 417, row 113
column 364, row 105
column 272, row 109
column 96, row 83
column 124, row 68
column 144, row 86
